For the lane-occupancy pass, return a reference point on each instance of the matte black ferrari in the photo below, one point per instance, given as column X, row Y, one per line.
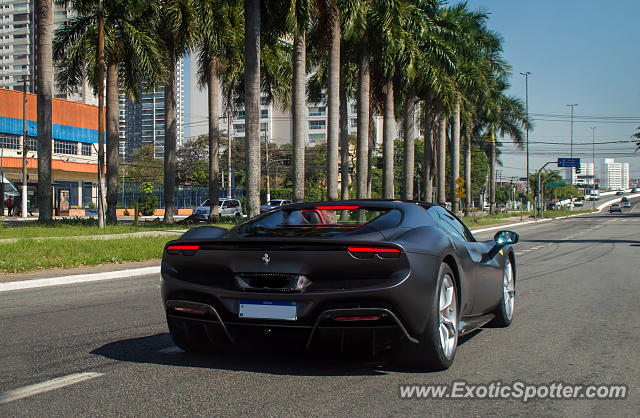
column 372, row 274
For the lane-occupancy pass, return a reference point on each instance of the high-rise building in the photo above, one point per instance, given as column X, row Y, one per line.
column 142, row 123
column 615, row 176
column 18, row 46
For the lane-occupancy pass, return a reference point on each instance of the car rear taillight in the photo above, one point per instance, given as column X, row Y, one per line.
column 338, row 207
column 185, row 249
column 368, row 252
column 356, row 318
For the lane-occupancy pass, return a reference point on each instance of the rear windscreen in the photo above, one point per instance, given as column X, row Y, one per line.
column 319, row 221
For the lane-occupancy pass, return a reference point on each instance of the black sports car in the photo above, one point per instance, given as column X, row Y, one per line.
column 408, row 276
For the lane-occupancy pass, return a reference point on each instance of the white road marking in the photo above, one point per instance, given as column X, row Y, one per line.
column 170, row 350
column 78, row 278
column 49, row 385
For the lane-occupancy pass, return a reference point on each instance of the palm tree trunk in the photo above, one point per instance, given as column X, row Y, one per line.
column 455, row 156
column 170, row 137
column 371, row 149
column 213, row 83
column 442, row 158
column 299, row 115
column 333, row 104
column 467, row 168
column 344, row 140
column 409, row 146
column 44, row 80
column 492, row 177
column 363, row 122
column 428, row 155
column 388, row 136
column 252, row 103
column 113, row 141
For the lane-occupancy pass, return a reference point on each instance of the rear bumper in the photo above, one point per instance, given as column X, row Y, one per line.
column 376, row 333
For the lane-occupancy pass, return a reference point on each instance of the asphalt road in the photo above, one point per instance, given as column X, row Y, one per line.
column 576, row 321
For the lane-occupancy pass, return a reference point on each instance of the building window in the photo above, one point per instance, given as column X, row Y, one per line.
column 85, row 149
column 238, row 127
column 9, row 141
column 32, row 144
column 65, row 147
column 263, row 127
column 354, row 123
column 264, row 101
column 316, row 137
column 317, row 111
column 317, row 124
column 264, row 113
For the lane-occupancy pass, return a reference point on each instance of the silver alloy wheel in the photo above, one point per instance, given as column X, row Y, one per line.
column 509, row 290
column 448, row 307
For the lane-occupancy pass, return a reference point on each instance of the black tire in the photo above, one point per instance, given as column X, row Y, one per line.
column 503, row 319
column 189, row 337
column 428, row 353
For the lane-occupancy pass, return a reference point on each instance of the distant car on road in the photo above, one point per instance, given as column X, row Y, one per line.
column 634, row 190
column 626, row 204
column 619, row 193
column 274, row 203
column 226, row 207
column 578, row 203
column 615, row 208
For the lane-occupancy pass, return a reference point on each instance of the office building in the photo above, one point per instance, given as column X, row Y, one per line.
column 615, row 176
column 18, row 44
column 142, row 123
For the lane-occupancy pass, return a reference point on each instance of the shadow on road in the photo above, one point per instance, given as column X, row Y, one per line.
column 258, row 360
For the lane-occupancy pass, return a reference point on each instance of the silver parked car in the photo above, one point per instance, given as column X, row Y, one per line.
column 226, row 207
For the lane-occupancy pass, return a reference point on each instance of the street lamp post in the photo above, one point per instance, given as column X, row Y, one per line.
column 593, row 194
column 572, row 106
column 526, row 105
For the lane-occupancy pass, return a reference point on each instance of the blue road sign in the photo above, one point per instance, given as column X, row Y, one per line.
column 568, row 162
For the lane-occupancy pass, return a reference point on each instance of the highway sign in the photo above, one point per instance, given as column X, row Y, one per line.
column 459, row 181
column 568, row 162
column 556, row 184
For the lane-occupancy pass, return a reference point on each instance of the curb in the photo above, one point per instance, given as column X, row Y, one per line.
column 78, row 278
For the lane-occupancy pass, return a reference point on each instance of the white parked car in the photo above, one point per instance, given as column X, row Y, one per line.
column 226, row 207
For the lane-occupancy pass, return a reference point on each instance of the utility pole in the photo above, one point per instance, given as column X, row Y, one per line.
column 266, row 151
column 24, row 146
column 100, row 112
column 572, row 106
column 526, row 106
column 593, row 193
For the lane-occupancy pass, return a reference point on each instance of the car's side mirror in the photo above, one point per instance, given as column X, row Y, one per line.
column 503, row 238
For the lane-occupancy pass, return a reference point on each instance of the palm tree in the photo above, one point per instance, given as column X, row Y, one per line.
column 299, row 18
column 175, row 28
column 130, row 56
column 44, row 79
column 218, row 35
column 330, row 23
column 252, row 104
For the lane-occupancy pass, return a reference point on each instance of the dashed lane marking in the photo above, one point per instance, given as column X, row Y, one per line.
column 49, row 385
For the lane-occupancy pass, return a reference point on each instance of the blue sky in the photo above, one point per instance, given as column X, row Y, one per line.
column 579, row 51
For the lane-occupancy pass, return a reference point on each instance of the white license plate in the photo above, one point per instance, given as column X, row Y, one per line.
column 267, row 309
